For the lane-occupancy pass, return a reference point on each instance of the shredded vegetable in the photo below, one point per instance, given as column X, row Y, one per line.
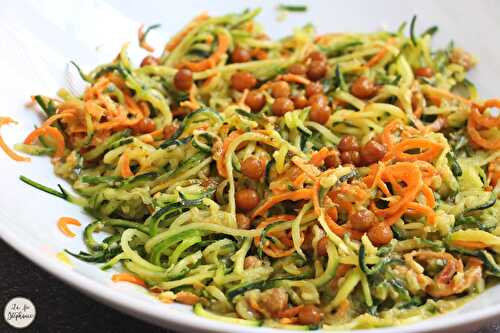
column 346, row 180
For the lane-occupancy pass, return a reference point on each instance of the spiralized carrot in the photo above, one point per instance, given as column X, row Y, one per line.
column 377, row 57
column 299, row 180
column 429, row 196
column 412, row 177
column 172, row 44
column 476, row 137
column 473, row 245
column 63, row 223
column 221, row 167
column 315, row 197
column 54, row 133
column 125, row 166
column 319, row 157
column 271, row 249
column 127, row 277
column 380, row 55
column 142, row 40
column 437, row 94
column 290, row 312
column 301, row 194
column 416, row 209
column 340, row 230
column 12, row 154
column 484, row 120
column 387, row 134
column 289, row 77
column 211, row 61
column 431, row 150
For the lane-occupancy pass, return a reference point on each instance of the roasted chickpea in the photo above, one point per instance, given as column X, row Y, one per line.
column 380, row 234
column 297, row 69
column 362, row 220
column 247, row 199
column 274, row 300
column 255, row 100
column 240, row 54
column 252, row 262
column 243, row 221
column 299, row 102
column 350, row 157
column 363, row 87
column 149, row 61
column 424, row 72
column 372, row 152
column 318, row 99
column 323, row 242
column 281, row 106
column 316, row 70
column 348, row 143
column 145, row 125
column 280, row 89
column 183, row 79
column 462, row 58
column 333, row 160
column 314, row 88
column 243, row 80
column 253, row 167
column 317, row 56
column 309, row 315
column 320, row 113
column 186, row 297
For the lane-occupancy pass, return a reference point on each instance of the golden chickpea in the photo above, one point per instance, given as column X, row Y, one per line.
column 280, row 89
column 183, row 79
column 247, row 199
column 297, row 69
column 281, row 106
column 255, row 100
column 310, row 315
column 362, row 220
column 364, row 88
column 149, row 61
column 316, row 70
column 320, row 113
column 253, row 167
column 240, row 54
column 380, row 234
column 243, row 80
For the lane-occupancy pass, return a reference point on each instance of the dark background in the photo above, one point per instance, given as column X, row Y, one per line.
column 60, row 308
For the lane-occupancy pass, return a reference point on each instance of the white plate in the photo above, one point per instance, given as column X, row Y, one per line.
column 39, row 38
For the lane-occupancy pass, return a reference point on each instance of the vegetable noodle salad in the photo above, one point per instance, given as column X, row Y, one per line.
column 337, row 181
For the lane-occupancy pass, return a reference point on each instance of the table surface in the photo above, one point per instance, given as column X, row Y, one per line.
column 61, row 308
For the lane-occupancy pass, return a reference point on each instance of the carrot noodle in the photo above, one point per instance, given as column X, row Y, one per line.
column 126, row 277
column 223, row 44
column 172, row 44
column 12, row 154
column 51, row 131
column 63, row 222
column 125, row 166
column 430, row 149
column 142, row 40
column 301, row 194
